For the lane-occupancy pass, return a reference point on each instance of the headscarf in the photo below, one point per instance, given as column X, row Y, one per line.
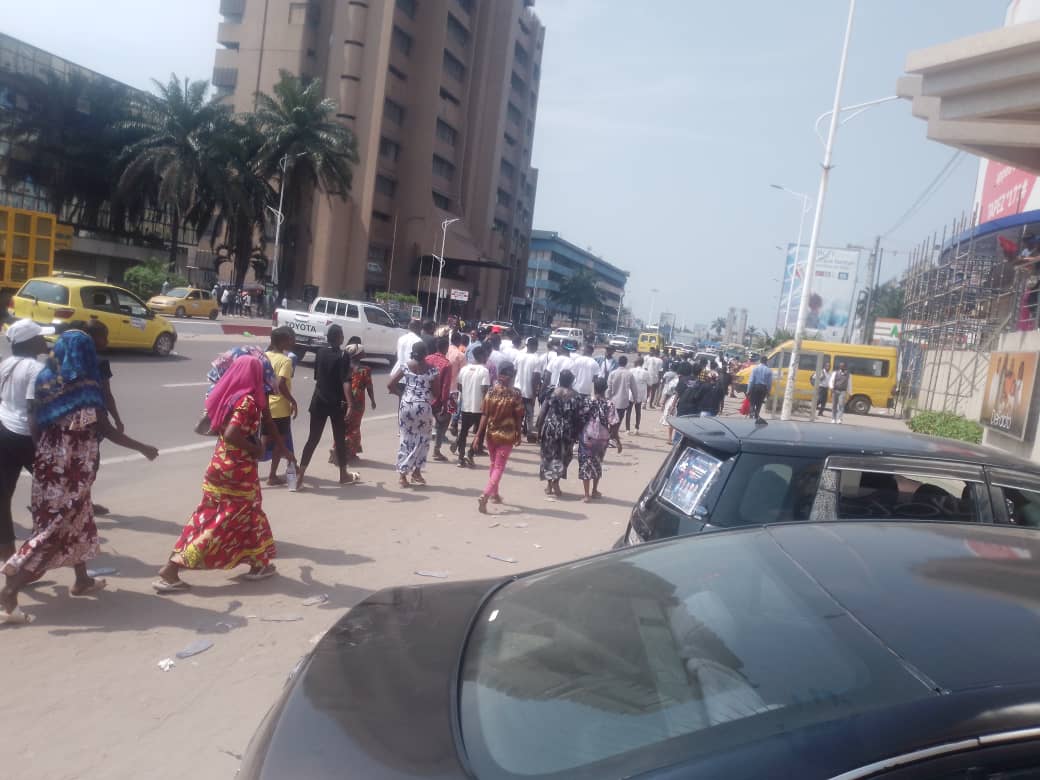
column 245, row 377
column 70, row 380
column 353, row 350
column 224, row 361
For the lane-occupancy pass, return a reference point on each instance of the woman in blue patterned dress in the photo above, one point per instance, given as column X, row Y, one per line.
column 418, row 385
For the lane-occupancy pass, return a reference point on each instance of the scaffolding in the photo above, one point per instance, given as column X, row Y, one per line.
column 960, row 291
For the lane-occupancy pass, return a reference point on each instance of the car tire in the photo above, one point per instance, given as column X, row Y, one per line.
column 858, row 404
column 213, row 314
column 179, row 314
column 164, row 344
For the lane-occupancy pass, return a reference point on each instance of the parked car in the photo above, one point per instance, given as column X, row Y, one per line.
column 185, row 302
column 377, row 329
column 726, row 473
column 621, row 342
column 805, row 650
column 573, row 337
column 57, row 300
column 649, row 340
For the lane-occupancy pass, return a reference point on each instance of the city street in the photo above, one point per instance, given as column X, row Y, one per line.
column 88, row 667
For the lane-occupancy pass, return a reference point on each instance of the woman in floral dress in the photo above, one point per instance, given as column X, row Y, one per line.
column 558, row 423
column 500, row 426
column 599, row 416
column 419, row 385
column 360, row 383
column 229, row 527
column 69, row 415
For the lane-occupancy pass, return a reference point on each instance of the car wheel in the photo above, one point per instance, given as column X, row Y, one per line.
column 213, row 314
column 163, row 344
column 179, row 313
column 859, row 404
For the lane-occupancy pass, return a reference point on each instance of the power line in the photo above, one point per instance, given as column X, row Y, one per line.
column 934, row 186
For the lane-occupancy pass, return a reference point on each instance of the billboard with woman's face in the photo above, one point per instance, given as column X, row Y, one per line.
column 1009, row 392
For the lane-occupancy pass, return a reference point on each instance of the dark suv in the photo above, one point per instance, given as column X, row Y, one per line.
column 730, row 473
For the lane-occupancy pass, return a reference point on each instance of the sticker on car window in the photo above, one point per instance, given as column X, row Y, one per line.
column 137, row 322
column 691, row 476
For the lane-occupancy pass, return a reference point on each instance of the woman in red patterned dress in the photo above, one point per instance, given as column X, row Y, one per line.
column 229, row 526
column 360, row 383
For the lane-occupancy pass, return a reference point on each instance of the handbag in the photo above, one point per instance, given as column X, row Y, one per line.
column 745, row 406
column 204, row 427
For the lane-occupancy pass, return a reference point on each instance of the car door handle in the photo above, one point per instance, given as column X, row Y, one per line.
column 126, row 322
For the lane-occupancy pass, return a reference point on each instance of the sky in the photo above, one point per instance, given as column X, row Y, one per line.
column 661, row 125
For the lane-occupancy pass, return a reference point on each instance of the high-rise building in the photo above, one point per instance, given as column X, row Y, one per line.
column 741, row 327
column 442, row 97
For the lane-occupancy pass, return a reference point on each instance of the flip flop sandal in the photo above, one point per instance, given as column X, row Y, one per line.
column 95, row 587
column 482, row 505
column 17, row 617
column 263, row 574
column 162, row 586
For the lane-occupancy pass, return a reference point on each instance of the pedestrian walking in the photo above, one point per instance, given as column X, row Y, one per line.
column 473, row 386
column 641, row 377
column 419, row 385
column 225, row 301
column 529, row 365
column 714, row 396
column 559, row 422
column 500, row 426
column 229, row 528
column 820, row 380
column 69, row 417
column 439, row 362
column 406, row 342
column 360, row 386
column 608, row 364
column 760, row 384
column 429, row 336
column 332, row 401
column 98, row 332
column 655, row 369
column 599, row 417
column 555, row 365
column 165, row 287
column 17, row 391
column 282, row 404
column 585, row 369
column 621, row 390
column 841, row 388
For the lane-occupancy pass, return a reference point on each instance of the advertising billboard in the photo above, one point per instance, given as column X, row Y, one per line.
column 830, row 291
column 1009, row 392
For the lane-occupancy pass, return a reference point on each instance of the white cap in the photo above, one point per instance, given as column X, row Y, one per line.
column 24, row 330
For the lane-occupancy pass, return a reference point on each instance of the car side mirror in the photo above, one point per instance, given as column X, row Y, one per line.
column 700, row 512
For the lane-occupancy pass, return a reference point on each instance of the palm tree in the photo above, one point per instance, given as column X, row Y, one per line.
column 751, row 332
column 719, row 325
column 172, row 162
column 305, row 147
column 576, row 292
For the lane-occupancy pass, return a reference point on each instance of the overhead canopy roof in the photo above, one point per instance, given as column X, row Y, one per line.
column 981, row 94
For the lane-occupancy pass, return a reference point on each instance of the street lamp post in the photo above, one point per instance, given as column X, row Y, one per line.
column 444, row 239
column 620, row 303
column 798, row 247
column 653, row 300
column 814, row 238
column 280, row 218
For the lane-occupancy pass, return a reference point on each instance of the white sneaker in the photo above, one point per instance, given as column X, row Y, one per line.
column 833, row 420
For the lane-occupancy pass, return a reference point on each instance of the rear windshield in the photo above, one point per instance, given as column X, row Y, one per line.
column 47, row 292
column 673, row 651
column 178, row 292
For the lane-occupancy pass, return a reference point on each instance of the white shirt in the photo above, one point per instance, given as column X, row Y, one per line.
column 17, row 388
column 527, row 365
column 224, row 296
column 585, row 369
column 473, row 378
column 404, row 348
column 621, row 387
column 556, row 365
column 496, row 359
column 653, row 366
column 642, row 379
column 833, row 376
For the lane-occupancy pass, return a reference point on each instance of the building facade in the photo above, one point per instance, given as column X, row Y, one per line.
column 554, row 259
column 442, row 97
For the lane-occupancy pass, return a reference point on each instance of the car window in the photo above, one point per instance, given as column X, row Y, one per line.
column 861, row 366
column 871, row 495
column 98, row 299
column 766, row 488
column 615, row 666
column 1023, row 506
column 319, row 307
column 130, row 305
column 352, row 311
column 45, row 292
column 194, row 295
column 178, row 292
column 341, row 308
column 206, row 296
column 689, row 479
column 377, row 316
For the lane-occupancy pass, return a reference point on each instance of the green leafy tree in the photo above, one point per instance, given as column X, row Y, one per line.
column 718, row 326
column 577, row 292
column 304, row 148
column 171, row 163
column 147, row 278
column 751, row 333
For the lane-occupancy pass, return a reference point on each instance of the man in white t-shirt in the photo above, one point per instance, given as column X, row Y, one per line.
column 654, row 368
column 642, row 389
column 555, row 363
column 585, row 369
column 495, row 356
column 406, row 342
column 474, row 381
column 529, row 381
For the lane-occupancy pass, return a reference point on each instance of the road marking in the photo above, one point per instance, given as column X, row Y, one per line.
column 188, row 384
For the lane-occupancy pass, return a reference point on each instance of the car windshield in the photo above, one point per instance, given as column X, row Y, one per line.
column 178, row 292
column 625, row 663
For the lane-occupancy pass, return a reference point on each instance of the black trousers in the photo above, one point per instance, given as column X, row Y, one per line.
column 821, row 399
column 628, row 415
column 319, row 414
column 467, row 422
column 757, row 396
column 16, row 453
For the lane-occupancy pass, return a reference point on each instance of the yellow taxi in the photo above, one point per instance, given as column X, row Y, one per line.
column 54, row 300
column 185, row 302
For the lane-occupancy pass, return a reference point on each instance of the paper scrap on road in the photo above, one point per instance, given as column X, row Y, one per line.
column 281, row 618
column 321, row 598
column 503, row 558
column 104, row 571
column 519, row 525
column 538, row 547
column 166, row 664
column 429, row 573
column 494, row 525
column 196, row 647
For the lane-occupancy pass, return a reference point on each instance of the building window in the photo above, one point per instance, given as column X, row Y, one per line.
column 442, row 202
column 385, row 185
column 505, row 199
column 500, row 227
column 397, row 74
column 379, row 216
column 530, row 128
column 520, row 54
column 446, row 132
column 518, row 84
column 508, row 170
column 393, row 111
column 453, row 67
column 407, row 7
column 401, row 41
column 389, row 150
column 509, row 139
column 298, row 13
column 443, row 168
column 537, row 72
column 445, row 95
column 513, row 113
column 466, row 5
column 457, row 32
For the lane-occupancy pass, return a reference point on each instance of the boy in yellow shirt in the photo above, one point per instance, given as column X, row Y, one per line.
column 282, row 404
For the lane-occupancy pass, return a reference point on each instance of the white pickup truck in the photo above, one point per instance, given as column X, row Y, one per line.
column 377, row 329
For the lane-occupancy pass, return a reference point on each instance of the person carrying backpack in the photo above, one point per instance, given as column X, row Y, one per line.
column 599, row 417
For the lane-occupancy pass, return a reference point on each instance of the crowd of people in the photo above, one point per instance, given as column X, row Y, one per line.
column 236, row 301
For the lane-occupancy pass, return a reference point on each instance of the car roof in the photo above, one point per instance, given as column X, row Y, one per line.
column 75, row 282
column 732, row 435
